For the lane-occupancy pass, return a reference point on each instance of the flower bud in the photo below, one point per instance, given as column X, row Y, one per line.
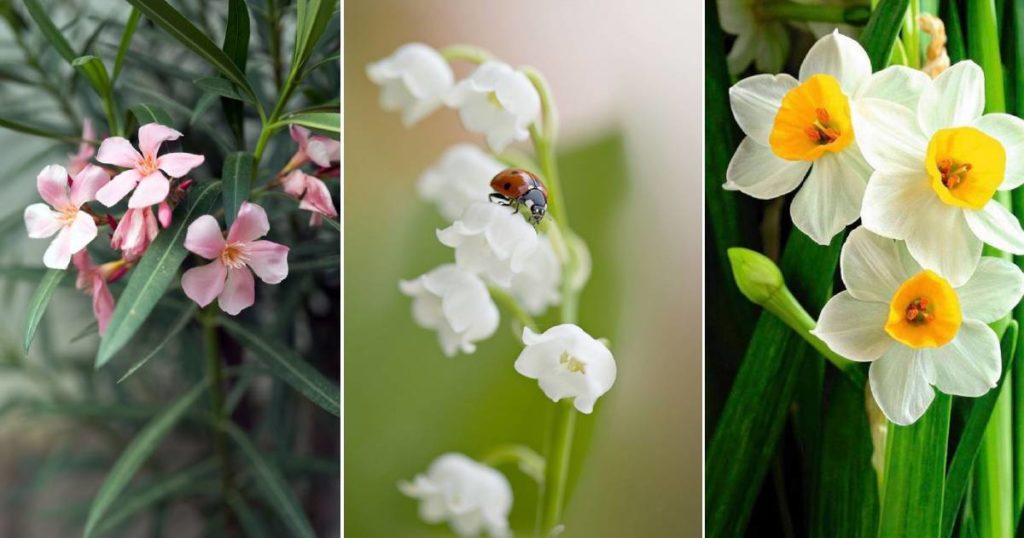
column 756, row 275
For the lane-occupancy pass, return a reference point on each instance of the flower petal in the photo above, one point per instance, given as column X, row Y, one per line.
column 886, row 199
column 955, row 98
column 204, row 237
column 755, row 171
column 239, row 291
column 318, row 198
column 871, row 266
column 118, row 151
column 268, row 260
column 898, row 84
column 123, row 183
column 102, row 303
column 943, row 242
column 52, row 183
column 58, row 254
column 179, row 164
column 41, row 221
column 854, row 329
column 152, row 135
column 970, row 365
column 831, row 197
column 840, row 57
column 755, row 101
column 995, row 225
column 152, row 190
column 87, row 183
column 1009, row 131
column 323, row 151
column 888, row 135
column 742, row 52
column 82, row 231
column 899, row 383
column 993, row 290
column 771, row 55
column 250, row 224
column 204, row 283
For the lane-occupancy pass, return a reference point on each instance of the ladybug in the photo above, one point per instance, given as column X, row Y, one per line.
column 515, row 187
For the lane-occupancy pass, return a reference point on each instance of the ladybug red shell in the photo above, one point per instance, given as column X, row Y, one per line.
column 517, row 188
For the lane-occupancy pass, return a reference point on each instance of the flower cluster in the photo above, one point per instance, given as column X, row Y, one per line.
column 917, row 161
column 309, row 189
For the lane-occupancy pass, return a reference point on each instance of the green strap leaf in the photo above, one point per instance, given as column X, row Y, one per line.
column 237, row 178
column 126, row 42
column 278, row 494
column 250, row 522
column 147, row 113
column 43, row 132
column 50, row 30
column 236, row 46
column 221, row 87
column 37, row 306
column 177, row 327
column 195, row 478
column 289, row 367
column 881, row 31
column 312, row 18
column 95, row 72
column 137, row 452
column 322, row 121
column 155, row 272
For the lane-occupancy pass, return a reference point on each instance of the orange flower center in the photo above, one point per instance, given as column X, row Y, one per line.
column 148, row 165
column 924, row 312
column 813, row 118
column 965, row 165
column 234, row 255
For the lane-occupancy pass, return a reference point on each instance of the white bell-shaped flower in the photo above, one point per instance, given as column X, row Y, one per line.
column 470, row 496
column 462, row 176
column 568, row 363
column 413, row 81
column 498, row 102
column 456, row 304
column 537, row 286
column 491, row 241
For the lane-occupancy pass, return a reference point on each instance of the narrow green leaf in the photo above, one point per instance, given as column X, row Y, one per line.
column 323, row 121
column 126, row 42
column 312, row 19
column 182, row 29
column 279, row 495
column 237, row 178
column 147, row 113
column 251, row 523
column 955, row 46
column 95, row 72
column 177, row 327
column 289, row 367
column 881, row 31
column 155, row 272
column 44, row 132
column 236, row 34
column 333, row 59
column 194, row 478
column 37, row 306
column 202, row 105
column 221, row 87
column 137, row 452
column 50, row 30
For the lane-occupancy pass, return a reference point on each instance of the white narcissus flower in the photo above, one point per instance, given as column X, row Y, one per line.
column 498, row 102
column 760, row 40
column 491, row 241
column 456, row 304
column 413, row 81
column 795, row 126
column 462, row 176
column 568, row 363
column 537, row 286
column 937, row 167
column 914, row 326
column 470, row 496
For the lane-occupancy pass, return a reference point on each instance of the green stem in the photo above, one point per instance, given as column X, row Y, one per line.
column 791, row 11
column 215, row 372
column 912, row 35
column 510, row 303
column 526, row 459
column 557, row 470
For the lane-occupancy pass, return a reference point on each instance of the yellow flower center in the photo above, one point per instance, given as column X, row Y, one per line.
column 924, row 312
column 234, row 255
column 966, row 166
column 67, row 215
column 813, row 118
column 148, row 165
column 572, row 363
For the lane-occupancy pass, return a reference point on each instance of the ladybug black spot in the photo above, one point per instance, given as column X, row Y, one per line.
column 508, row 185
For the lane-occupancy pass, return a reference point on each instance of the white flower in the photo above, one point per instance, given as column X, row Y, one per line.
column 793, row 127
column 470, row 496
column 568, row 363
column 413, row 80
column 491, row 241
column 536, row 287
column 937, row 167
column 759, row 40
column 462, row 176
column 456, row 304
column 497, row 101
column 915, row 328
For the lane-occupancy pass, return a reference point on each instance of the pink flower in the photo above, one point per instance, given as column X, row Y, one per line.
column 145, row 170
column 317, row 148
column 137, row 229
column 93, row 281
column 74, row 228
column 229, row 277
column 79, row 160
column 313, row 195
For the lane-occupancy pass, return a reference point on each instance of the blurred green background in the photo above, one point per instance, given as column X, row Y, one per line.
column 630, row 157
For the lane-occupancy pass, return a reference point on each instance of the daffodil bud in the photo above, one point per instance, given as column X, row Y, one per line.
column 756, row 275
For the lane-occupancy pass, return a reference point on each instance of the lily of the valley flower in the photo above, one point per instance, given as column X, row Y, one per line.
column 228, row 278
column 456, row 304
column 498, row 102
column 93, row 281
column 78, row 161
column 312, row 194
column 568, row 363
column 491, row 241
column 318, row 149
column 536, row 287
column 937, row 168
column 793, row 126
column 63, row 216
column 470, row 496
column 460, row 177
column 413, row 81
column 146, row 172
column 915, row 327
column 135, row 231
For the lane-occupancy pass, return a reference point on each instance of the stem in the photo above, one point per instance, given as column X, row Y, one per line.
column 855, row 15
column 526, row 459
column 214, row 371
column 912, row 35
column 557, row 470
column 503, row 298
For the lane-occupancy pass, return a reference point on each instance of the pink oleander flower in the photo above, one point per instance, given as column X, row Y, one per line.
column 228, row 278
column 78, row 161
column 319, row 149
column 146, row 172
column 134, row 233
column 74, row 228
column 93, row 281
column 312, row 194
